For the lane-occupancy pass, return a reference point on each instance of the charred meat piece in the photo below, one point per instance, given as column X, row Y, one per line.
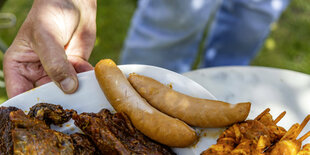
column 114, row 134
column 6, row 144
column 33, row 136
column 50, row 113
column 22, row 134
column 83, row 145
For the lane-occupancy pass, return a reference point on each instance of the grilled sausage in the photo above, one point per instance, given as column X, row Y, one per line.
column 151, row 122
column 194, row 111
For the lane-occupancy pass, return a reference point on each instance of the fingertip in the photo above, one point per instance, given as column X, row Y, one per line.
column 69, row 85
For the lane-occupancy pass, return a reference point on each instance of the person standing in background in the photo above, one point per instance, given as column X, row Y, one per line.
column 168, row 33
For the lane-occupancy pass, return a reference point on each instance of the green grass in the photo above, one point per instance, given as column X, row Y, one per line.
column 113, row 20
column 288, row 45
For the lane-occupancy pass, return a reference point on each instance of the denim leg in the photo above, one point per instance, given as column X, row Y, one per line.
column 239, row 30
column 167, row 33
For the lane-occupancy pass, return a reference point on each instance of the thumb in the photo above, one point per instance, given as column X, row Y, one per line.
column 52, row 55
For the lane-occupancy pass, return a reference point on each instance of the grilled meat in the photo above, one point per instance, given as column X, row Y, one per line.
column 105, row 133
column 55, row 114
column 50, row 113
column 114, row 134
column 6, row 144
column 33, row 136
column 29, row 134
column 83, row 145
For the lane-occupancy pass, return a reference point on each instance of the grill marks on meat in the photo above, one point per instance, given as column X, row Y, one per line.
column 83, row 145
column 50, row 113
column 33, row 136
column 114, row 134
column 6, row 145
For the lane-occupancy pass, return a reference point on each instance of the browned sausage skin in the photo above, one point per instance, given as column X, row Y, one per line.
column 194, row 111
column 151, row 122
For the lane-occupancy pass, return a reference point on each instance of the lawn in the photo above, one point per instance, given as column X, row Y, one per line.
column 288, row 45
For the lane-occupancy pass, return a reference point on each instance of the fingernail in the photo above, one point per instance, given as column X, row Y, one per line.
column 68, row 85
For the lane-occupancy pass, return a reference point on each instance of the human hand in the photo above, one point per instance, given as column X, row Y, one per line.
column 54, row 43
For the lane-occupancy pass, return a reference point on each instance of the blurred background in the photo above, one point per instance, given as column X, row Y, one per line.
column 287, row 47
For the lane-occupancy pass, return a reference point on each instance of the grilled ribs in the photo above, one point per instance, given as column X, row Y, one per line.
column 105, row 133
column 22, row 134
column 114, row 134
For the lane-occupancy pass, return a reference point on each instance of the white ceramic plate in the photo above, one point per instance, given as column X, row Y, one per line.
column 90, row 98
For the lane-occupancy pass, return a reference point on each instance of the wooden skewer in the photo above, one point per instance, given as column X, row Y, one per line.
column 262, row 114
column 304, row 137
column 291, row 132
column 303, row 124
column 279, row 117
column 295, row 130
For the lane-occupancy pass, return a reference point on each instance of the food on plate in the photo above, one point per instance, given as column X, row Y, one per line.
column 151, row 122
column 114, row 134
column 276, row 132
column 104, row 133
column 83, row 145
column 31, row 136
column 194, row 111
column 288, row 144
column 27, row 134
column 260, row 136
column 6, row 126
column 50, row 113
column 305, row 150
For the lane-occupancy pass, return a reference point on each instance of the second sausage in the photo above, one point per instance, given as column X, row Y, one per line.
column 151, row 122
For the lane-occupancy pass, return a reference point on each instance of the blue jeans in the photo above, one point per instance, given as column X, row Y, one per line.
column 167, row 33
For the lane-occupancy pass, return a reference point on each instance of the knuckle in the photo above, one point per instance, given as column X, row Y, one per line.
column 56, row 71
